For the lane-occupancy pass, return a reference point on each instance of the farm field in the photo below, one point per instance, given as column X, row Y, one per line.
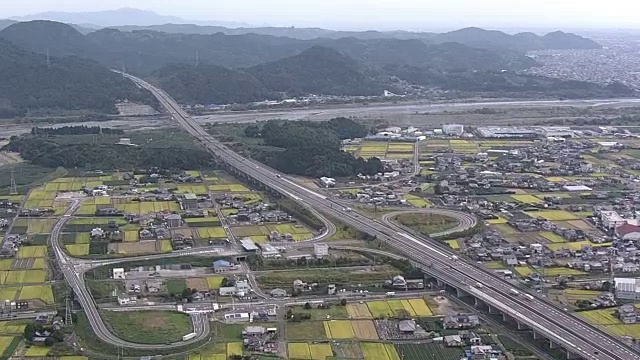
column 554, row 215
column 379, row 351
column 576, row 245
column 364, row 329
column 234, row 348
column 417, row 201
column 358, row 311
column 310, row 330
column 390, row 308
column 429, row 352
column 339, row 329
column 552, row 237
column 306, row 351
column 382, row 149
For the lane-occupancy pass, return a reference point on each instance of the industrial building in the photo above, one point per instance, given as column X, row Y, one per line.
column 453, row 129
column 627, row 288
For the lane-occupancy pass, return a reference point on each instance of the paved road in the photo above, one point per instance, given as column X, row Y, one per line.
column 565, row 329
column 73, row 272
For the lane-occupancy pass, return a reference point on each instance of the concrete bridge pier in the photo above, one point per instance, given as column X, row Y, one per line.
column 493, row 310
column 504, row 317
column 552, row 345
column 521, row 326
column 440, row 283
column 535, row 335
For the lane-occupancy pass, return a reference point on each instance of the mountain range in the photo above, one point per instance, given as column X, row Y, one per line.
column 117, row 17
column 221, row 68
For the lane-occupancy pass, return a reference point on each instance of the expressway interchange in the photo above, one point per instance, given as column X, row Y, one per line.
column 564, row 329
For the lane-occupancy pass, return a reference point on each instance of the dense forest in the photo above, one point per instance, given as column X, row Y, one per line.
column 29, row 82
column 46, row 151
column 313, row 148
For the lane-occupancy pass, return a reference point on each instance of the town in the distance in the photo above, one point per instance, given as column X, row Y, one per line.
column 214, row 192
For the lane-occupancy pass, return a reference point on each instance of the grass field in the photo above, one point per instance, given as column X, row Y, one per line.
column 149, row 327
column 214, row 282
column 600, row 317
column 417, row 201
column 339, row 329
column 429, row 352
column 309, row 330
column 453, row 244
column 427, row 223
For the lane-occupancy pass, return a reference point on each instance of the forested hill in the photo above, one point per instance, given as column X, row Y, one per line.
column 319, row 70
column 210, row 84
column 68, row 83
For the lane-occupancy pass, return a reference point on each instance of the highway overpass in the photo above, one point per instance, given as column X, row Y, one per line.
column 579, row 338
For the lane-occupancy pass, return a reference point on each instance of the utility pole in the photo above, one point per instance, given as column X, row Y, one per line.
column 197, row 57
column 13, row 189
column 48, row 59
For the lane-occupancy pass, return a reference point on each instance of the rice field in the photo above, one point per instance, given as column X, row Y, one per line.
column 499, row 220
column 42, row 292
column 554, row 215
column 527, row 199
column 32, row 252
column 146, row 207
column 37, row 351
column 234, row 348
column 379, row 351
column 165, row 246
column 211, row 232
column 23, row 277
column 77, row 249
column 364, row 329
column 552, row 237
column 600, row 317
column 358, row 311
column 339, row 329
column 454, row 244
column 304, row 351
column 391, row 308
column 8, row 293
column 40, row 226
column 576, row 245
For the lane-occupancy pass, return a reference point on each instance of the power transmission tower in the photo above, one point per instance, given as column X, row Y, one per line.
column 13, row 190
column 68, row 316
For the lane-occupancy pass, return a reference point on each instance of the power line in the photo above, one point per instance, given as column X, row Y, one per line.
column 13, row 190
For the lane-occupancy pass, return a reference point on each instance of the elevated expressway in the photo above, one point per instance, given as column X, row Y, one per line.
column 580, row 339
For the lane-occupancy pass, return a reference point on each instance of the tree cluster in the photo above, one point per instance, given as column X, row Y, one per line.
column 313, row 149
column 75, row 130
column 47, row 152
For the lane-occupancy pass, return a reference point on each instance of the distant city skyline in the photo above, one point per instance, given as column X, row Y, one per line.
column 370, row 14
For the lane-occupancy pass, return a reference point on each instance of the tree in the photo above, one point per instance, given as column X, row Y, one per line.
column 343, row 302
column 49, row 341
column 252, row 131
column 29, row 331
column 187, row 294
column 307, row 306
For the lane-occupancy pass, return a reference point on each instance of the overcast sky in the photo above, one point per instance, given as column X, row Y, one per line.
column 383, row 14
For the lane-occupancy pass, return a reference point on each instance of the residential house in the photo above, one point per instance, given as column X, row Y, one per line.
column 460, row 321
column 222, row 266
column 173, row 220
column 118, row 273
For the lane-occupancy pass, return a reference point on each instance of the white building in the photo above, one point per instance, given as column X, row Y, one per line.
column 320, row 250
column 453, row 129
column 611, row 219
column 627, row 288
column 240, row 289
column 328, row 182
column 118, row 273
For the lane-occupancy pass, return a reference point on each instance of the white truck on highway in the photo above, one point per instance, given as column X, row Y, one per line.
column 189, row 336
column 391, row 293
column 528, row 297
column 454, row 257
column 479, row 285
column 514, row 292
